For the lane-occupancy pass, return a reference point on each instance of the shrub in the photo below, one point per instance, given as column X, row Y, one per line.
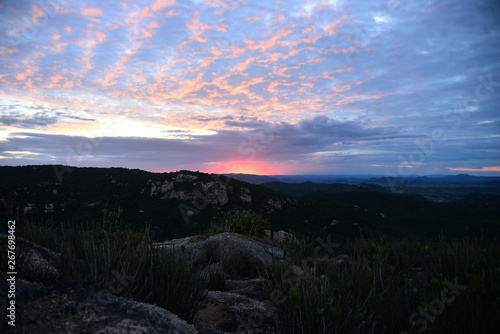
column 386, row 282
column 237, row 221
column 297, row 246
column 216, row 279
column 122, row 260
column 170, row 280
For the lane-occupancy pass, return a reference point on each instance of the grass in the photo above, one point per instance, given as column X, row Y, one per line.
column 385, row 286
column 386, row 283
column 237, row 221
column 297, row 246
column 169, row 279
column 123, row 261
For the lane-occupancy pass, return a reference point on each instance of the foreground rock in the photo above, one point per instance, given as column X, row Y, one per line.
column 38, row 262
column 46, row 304
column 251, row 288
column 82, row 310
column 230, row 313
column 235, row 252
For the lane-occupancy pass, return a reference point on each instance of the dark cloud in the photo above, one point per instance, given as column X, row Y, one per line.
column 78, row 117
column 268, row 141
column 177, row 131
column 211, row 119
column 39, row 119
column 255, row 124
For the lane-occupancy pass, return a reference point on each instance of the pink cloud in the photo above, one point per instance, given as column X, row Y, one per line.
column 252, row 19
column 5, row 50
column 36, row 13
column 482, row 169
column 106, row 82
column 160, row 4
column 56, row 78
column 100, row 37
column 28, row 73
column 245, row 64
column 91, row 12
column 145, row 13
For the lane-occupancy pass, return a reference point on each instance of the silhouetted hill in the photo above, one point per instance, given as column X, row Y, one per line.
column 184, row 203
column 416, row 216
column 299, row 189
column 457, row 179
column 176, row 204
column 251, row 178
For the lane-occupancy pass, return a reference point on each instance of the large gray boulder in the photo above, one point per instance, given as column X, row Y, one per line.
column 86, row 311
column 46, row 304
column 37, row 262
column 235, row 252
column 230, row 313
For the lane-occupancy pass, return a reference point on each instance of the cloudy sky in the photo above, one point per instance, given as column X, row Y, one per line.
column 265, row 87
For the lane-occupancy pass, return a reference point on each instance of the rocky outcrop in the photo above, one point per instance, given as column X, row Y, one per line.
column 274, row 238
column 251, row 288
column 228, row 313
column 235, row 252
column 38, row 262
column 88, row 311
column 46, row 303
column 183, row 187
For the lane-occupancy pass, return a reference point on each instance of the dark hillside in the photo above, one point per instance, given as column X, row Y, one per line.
column 416, row 216
column 183, row 203
column 299, row 189
column 175, row 204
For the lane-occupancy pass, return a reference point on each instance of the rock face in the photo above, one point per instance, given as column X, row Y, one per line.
column 48, row 306
column 183, row 187
column 87, row 311
column 228, row 313
column 235, row 252
column 274, row 238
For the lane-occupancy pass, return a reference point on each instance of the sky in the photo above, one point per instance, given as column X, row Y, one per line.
column 269, row 87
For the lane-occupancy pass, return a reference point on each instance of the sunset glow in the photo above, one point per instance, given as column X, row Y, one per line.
column 247, row 167
column 482, row 169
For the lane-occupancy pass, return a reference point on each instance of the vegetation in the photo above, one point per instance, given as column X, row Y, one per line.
column 382, row 284
column 124, row 261
column 386, row 286
column 296, row 245
column 237, row 221
column 73, row 195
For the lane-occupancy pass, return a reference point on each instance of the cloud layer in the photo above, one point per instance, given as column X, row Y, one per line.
column 304, row 86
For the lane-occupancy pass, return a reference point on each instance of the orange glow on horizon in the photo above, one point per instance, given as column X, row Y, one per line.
column 482, row 169
column 246, row 167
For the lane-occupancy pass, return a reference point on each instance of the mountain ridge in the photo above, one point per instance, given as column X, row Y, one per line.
column 183, row 203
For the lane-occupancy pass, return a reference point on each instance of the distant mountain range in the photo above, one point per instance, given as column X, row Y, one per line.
column 184, row 203
column 359, row 178
column 300, row 189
